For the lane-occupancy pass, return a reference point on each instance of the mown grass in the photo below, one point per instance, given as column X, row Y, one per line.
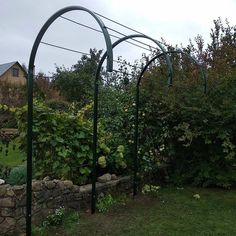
column 14, row 156
column 174, row 212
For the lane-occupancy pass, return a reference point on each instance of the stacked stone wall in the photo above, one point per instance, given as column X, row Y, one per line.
column 48, row 195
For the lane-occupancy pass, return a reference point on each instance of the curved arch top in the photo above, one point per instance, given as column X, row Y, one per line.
column 58, row 14
column 168, row 61
column 203, row 75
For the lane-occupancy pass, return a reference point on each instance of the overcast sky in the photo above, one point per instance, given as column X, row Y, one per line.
column 174, row 20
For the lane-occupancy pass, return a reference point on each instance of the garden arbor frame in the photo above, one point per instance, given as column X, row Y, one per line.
column 109, row 55
column 30, row 97
column 170, row 76
column 204, row 78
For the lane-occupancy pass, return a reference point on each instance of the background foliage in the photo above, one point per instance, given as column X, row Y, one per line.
column 185, row 136
column 62, row 144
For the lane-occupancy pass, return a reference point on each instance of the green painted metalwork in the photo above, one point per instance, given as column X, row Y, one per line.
column 30, row 100
column 168, row 61
column 203, row 74
column 204, row 78
column 170, row 75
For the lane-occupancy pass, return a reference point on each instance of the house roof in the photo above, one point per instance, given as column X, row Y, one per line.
column 5, row 67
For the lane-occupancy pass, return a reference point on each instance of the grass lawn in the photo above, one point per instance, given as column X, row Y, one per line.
column 14, row 157
column 173, row 212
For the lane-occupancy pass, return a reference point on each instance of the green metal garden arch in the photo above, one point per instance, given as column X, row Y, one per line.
column 30, row 94
column 170, row 73
column 204, row 78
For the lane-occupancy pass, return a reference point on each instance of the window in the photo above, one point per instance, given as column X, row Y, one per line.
column 15, row 72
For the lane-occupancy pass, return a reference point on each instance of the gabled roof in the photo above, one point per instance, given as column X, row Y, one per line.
column 5, row 67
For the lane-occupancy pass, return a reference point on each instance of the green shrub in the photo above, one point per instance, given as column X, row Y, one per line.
column 151, row 190
column 7, row 119
column 55, row 218
column 62, row 143
column 17, row 175
column 192, row 132
column 56, row 104
column 105, row 203
column 60, row 218
column 4, row 171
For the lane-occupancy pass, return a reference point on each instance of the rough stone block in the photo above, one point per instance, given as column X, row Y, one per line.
column 51, row 204
column 21, row 222
column 8, row 225
column 66, row 191
column 9, row 193
column 37, row 186
column 21, row 200
column 77, row 196
column 1, row 219
column 49, row 184
column 47, row 178
column 111, row 184
column 104, row 178
column 114, row 177
column 7, row 202
column 7, row 212
column 73, row 204
column 75, row 189
column 18, row 189
column 100, row 186
column 60, row 185
column 43, row 195
column 86, row 188
column 68, row 184
column 56, row 181
column 56, row 193
column 20, row 211
column 3, row 189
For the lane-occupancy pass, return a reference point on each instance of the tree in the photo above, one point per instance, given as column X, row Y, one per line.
column 192, row 132
column 44, row 88
column 76, row 84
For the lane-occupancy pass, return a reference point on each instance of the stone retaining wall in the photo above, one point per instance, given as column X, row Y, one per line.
column 48, row 195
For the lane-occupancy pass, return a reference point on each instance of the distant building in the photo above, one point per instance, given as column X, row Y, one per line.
column 13, row 73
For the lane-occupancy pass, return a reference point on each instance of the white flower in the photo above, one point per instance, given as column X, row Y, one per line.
column 197, row 196
column 162, row 147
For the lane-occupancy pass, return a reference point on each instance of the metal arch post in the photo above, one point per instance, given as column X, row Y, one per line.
column 30, row 95
column 137, row 105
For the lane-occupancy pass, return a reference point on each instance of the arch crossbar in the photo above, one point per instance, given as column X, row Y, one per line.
column 30, row 94
column 204, row 78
